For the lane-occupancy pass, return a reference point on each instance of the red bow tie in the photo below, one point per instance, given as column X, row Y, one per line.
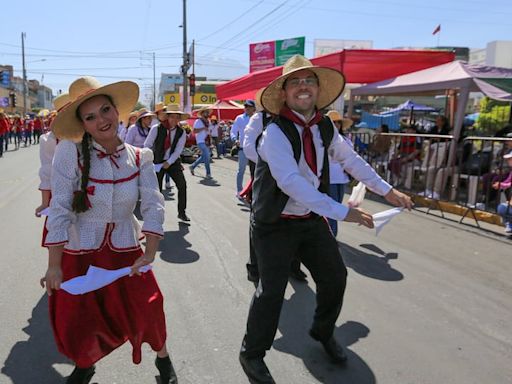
column 111, row 156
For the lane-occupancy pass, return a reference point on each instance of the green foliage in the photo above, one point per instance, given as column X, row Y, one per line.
column 493, row 115
column 138, row 106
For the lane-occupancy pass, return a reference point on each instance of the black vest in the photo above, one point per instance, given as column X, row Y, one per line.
column 268, row 200
column 159, row 144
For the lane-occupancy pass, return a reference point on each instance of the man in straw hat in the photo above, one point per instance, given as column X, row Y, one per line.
column 289, row 202
column 167, row 142
column 96, row 182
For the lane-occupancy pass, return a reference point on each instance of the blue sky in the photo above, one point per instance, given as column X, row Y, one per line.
column 115, row 40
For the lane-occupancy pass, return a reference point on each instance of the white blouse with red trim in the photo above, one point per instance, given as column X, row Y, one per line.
column 115, row 183
column 47, row 143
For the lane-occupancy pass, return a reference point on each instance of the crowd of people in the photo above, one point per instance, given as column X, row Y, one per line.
column 17, row 132
column 101, row 161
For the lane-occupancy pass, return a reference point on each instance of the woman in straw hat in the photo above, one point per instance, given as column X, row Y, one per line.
column 338, row 177
column 289, row 202
column 96, row 182
column 130, row 121
column 138, row 132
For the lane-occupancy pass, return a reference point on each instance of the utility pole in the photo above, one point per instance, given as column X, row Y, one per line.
column 185, row 65
column 154, row 83
column 24, row 74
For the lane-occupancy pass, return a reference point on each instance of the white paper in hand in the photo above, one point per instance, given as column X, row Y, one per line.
column 44, row 212
column 357, row 195
column 158, row 167
column 380, row 219
column 96, row 278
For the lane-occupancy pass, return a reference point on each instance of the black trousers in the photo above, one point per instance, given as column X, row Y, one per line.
column 276, row 246
column 176, row 173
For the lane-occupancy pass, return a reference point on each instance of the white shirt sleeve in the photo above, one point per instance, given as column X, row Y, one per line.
column 342, row 152
column 130, row 135
column 251, row 133
column 152, row 201
column 177, row 151
column 150, row 140
column 277, row 151
column 47, row 146
column 235, row 129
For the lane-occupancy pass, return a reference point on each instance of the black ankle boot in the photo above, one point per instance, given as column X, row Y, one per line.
column 167, row 374
column 81, row 375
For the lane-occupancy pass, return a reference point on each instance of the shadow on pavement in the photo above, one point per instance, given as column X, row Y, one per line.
column 175, row 248
column 32, row 360
column 294, row 324
column 370, row 264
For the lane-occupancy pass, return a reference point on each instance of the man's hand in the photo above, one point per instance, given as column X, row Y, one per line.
column 399, row 199
column 357, row 215
column 496, row 185
column 165, row 165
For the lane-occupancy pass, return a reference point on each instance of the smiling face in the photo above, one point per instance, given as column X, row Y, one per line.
column 300, row 92
column 99, row 118
column 173, row 119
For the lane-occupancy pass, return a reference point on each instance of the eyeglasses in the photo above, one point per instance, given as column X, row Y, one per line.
column 307, row 81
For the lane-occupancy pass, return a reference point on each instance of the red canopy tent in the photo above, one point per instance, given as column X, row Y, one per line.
column 224, row 110
column 358, row 65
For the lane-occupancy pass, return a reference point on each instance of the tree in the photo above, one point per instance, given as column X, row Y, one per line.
column 138, row 106
column 493, row 115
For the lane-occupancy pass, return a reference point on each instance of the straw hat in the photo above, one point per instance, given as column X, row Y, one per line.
column 331, row 84
column 160, row 107
column 66, row 125
column 335, row 116
column 61, row 101
column 257, row 99
column 144, row 112
column 173, row 109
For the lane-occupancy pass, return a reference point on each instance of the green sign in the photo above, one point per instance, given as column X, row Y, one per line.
column 289, row 47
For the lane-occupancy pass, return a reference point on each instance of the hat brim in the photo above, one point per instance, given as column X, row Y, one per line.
column 183, row 115
column 67, row 126
column 330, row 81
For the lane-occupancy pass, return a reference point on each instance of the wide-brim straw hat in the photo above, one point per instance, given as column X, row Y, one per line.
column 257, row 99
column 173, row 109
column 336, row 116
column 61, row 101
column 331, row 84
column 143, row 112
column 124, row 95
column 160, row 107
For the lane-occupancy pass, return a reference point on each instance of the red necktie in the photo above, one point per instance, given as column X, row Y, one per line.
column 167, row 141
column 307, row 137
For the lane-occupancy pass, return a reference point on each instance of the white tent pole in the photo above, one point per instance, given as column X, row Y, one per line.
column 350, row 105
column 459, row 120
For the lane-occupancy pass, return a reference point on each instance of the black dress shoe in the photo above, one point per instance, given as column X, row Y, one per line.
column 297, row 274
column 81, row 375
column 166, row 370
column 256, row 370
column 332, row 348
column 183, row 216
column 252, row 273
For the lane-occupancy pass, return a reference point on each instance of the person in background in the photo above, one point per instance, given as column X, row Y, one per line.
column 201, row 126
column 214, row 134
column 237, row 135
column 5, row 127
column 137, row 133
column 338, row 177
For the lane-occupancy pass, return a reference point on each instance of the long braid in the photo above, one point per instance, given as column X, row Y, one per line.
column 80, row 198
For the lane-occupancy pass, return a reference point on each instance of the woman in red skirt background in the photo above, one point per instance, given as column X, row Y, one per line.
column 96, row 182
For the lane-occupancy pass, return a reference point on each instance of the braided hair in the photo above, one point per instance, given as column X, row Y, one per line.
column 80, row 197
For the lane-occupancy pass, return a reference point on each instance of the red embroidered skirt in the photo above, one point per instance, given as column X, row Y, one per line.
column 90, row 326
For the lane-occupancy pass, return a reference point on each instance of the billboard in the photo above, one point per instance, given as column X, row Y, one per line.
column 326, row 46
column 289, row 47
column 270, row 54
column 261, row 56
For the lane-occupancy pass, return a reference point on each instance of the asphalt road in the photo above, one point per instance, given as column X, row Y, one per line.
column 427, row 302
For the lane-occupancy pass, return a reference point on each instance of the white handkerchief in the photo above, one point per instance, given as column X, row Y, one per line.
column 96, row 278
column 380, row 219
column 357, row 196
column 45, row 211
column 158, row 167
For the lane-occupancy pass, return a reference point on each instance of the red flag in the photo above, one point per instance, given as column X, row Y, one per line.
column 437, row 30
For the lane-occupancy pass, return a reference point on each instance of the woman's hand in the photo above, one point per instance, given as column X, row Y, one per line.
column 140, row 262
column 39, row 209
column 52, row 279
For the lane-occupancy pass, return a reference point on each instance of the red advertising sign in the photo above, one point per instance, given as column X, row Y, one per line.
column 261, row 55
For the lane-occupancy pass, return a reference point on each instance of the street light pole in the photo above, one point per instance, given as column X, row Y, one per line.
column 154, row 83
column 184, row 67
column 24, row 74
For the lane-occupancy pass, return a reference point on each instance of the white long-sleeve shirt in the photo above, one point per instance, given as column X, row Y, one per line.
column 47, row 144
column 134, row 136
column 237, row 130
column 169, row 157
column 298, row 180
column 251, row 133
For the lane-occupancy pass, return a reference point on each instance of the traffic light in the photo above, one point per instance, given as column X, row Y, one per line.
column 5, row 78
column 12, row 95
column 192, row 84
